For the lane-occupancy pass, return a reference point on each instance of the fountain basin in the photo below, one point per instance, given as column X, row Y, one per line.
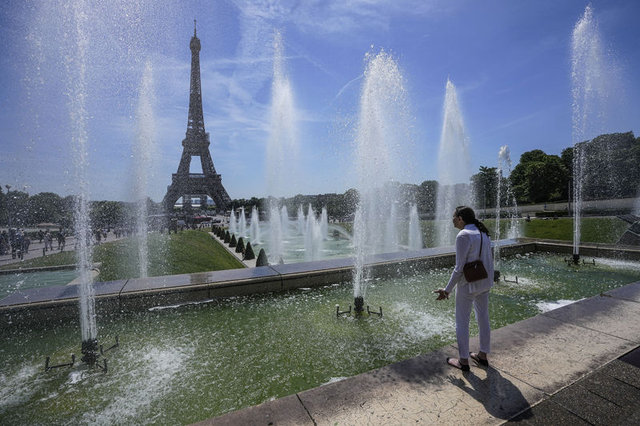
column 59, row 303
column 185, row 362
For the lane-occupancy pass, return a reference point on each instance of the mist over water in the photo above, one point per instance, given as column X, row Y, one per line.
column 454, row 167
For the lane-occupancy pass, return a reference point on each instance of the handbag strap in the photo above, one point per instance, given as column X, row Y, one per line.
column 480, row 255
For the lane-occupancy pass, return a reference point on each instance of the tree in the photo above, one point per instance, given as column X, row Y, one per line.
column 17, row 203
column 46, row 207
column 539, row 178
column 426, row 197
column 485, row 187
column 3, row 206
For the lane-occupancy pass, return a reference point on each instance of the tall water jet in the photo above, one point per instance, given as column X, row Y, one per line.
column 242, row 223
column 589, row 80
column 282, row 147
column 381, row 135
column 300, row 221
column 76, row 65
column 324, row 223
column 415, row 232
column 454, row 167
column 276, row 245
column 284, row 221
column 143, row 152
column 504, row 195
column 391, row 231
column 233, row 227
column 255, row 226
column 312, row 236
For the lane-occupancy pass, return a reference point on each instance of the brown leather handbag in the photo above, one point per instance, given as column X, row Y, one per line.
column 475, row 271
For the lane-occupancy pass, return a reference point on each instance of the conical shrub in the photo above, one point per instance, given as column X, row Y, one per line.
column 227, row 237
column 240, row 246
column 248, row 252
column 233, row 241
column 262, row 259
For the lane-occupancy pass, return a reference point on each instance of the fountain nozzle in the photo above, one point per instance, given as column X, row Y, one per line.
column 89, row 351
column 576, row 259
column 358, row 303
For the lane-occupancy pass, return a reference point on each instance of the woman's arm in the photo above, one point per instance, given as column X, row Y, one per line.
column 463, row 243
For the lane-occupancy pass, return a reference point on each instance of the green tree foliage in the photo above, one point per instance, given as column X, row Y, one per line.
column 611, row 167
column 47, row 207
column 539, row 177
column 485, row 187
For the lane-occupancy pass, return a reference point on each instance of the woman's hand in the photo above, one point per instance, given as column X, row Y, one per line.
column 441, row 294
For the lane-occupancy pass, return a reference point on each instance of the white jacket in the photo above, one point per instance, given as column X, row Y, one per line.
column 468, row 250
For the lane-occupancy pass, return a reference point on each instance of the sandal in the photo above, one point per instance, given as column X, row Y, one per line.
column 483, row 362
column 455, row 362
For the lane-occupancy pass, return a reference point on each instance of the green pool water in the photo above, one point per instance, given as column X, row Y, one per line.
column 10, row 283
column 181, row 364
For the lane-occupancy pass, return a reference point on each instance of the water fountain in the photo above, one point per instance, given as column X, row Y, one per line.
column 312, row 236
column 143, row 155
column 242, row 224
column 415, row 232
column 281, row 148
column 233, row 223
column 391, row 231
column 254, row 227
column 77, row 90
column 238, row 344
column 381, row 132
column 454, row 167
column 217, row 354
column 590, row 79
column 504, row 192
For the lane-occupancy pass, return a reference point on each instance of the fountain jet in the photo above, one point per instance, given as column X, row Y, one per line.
column 381, row 134
column 454, row 167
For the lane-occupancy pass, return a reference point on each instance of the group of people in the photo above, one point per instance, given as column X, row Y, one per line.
column 16, row 242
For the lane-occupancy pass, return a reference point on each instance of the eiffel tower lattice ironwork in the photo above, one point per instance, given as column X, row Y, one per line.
column 196, row 143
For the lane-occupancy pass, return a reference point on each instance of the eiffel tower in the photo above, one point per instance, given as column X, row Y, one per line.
column 196, row 144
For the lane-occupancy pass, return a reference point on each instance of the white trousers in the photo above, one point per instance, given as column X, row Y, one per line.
column 480, row 303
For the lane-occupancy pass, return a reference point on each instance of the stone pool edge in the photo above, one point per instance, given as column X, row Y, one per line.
column 59, row 303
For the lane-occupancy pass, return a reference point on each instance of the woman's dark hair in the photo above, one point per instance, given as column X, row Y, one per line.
column 469, row 216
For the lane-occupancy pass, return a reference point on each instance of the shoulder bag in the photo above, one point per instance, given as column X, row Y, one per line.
column 475, row 271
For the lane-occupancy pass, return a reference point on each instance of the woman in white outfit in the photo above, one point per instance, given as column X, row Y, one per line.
column 472, row 243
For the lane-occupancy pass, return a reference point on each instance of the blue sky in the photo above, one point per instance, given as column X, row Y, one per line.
column 510, row 61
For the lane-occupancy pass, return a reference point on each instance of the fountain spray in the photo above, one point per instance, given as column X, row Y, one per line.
column 381, row 132
column 454, row 167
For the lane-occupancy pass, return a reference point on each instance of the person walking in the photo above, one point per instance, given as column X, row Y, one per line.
column 472, row 243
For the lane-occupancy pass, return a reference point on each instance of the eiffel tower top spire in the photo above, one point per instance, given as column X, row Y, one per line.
column 195, row 123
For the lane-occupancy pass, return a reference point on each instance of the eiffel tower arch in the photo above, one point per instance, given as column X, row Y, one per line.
column 196, row 144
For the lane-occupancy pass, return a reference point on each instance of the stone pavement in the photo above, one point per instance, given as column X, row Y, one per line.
column 574, row 365
column 35, row 250
column 247, row 263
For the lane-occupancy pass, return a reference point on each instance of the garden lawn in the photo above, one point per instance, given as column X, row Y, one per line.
column 187, row 252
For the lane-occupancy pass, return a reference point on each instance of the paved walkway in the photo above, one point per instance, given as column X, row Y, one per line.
column 574, row 365
column 35, row 250
column 247, row 263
